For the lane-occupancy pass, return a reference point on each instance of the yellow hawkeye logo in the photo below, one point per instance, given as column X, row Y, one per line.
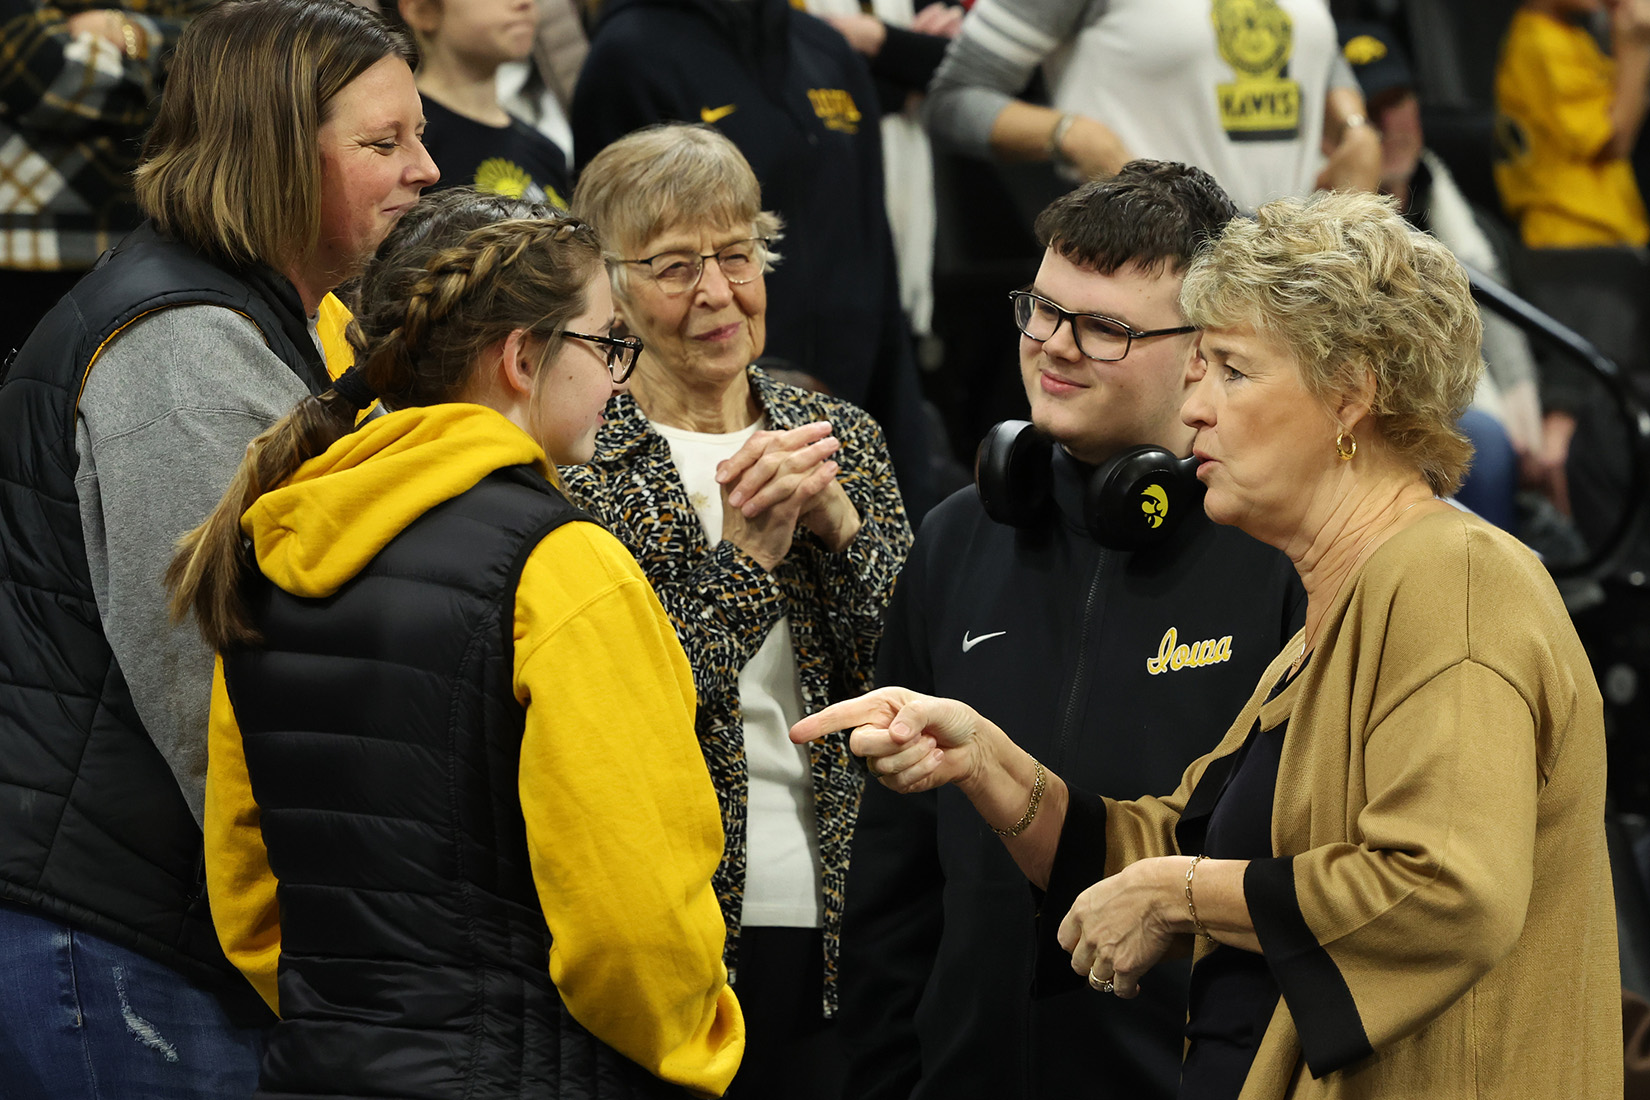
column 1156, row 505
column 1174, row 657
column 1364, row 49
column 1257, row 39
column 716, row 114
column 836, row 109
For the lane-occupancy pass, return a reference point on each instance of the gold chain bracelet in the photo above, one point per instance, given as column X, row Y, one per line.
column 1038, row 779
column 1191, row 906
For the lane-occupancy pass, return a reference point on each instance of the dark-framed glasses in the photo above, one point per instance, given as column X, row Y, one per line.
column 679, row 272
column 622, row 352
column 1098, row 337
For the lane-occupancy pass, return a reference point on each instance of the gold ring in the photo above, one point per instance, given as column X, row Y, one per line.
column 1104, row 985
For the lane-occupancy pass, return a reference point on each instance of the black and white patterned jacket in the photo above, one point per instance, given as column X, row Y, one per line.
column 724, row 604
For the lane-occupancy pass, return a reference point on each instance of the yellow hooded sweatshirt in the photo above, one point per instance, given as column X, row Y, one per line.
column 622, row 823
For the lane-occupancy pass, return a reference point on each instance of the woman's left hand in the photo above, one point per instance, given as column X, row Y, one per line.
column 833, row 517
column 1119, row 928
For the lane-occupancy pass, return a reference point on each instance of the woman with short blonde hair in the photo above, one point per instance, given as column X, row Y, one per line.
column 662, row 176
column 1392, row 870
column 1351, row 295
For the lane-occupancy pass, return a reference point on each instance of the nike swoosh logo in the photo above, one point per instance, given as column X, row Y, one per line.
column 716, row 114
column 970, row 643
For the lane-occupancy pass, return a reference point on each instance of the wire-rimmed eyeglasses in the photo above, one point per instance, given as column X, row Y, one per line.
column 1098, row 337
column 679, row 272
column 622, row 352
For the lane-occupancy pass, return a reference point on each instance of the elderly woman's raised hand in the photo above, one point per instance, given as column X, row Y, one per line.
column 779, row 479
column 910, row 742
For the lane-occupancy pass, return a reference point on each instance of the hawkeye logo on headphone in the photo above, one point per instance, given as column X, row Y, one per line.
column 1156, row 505
column 1174, row 656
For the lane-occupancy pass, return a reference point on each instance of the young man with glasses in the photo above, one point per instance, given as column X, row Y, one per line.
column 1095, row 656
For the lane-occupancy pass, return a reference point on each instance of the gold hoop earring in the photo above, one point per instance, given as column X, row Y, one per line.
column 1345, row 445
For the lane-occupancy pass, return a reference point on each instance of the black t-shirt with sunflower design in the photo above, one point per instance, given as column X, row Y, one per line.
column 514, row 160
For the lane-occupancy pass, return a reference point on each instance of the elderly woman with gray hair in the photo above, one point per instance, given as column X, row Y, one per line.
column 1392, row 870
column 769, row 521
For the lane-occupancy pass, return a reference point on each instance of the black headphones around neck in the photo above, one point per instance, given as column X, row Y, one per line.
column 1134, row 500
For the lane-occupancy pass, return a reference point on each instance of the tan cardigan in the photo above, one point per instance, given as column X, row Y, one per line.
column 1439, row 912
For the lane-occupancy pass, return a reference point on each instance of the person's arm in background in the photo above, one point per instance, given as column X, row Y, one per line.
column 906, row 57
column 1350, row 140
column 972, row 104
column 623, row 829
column 164, row 420
column 1630, row 44
column 895, row 903
column 95, row 72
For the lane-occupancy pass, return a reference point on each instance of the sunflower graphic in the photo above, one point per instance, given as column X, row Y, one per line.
column 503, row 177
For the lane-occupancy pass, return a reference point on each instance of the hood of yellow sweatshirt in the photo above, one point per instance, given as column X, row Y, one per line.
column 331, row 517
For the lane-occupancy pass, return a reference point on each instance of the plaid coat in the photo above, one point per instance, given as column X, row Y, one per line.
column 723, row 604
column 73, row 110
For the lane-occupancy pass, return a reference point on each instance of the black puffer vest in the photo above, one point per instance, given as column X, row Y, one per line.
column 383, row 741
column 93, row 828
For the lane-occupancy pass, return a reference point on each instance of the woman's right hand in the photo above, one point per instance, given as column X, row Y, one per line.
column 914, row 743
column 910, row 742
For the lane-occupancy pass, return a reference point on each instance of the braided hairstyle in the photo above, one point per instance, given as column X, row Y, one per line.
column 448, row 283
column 428, row 314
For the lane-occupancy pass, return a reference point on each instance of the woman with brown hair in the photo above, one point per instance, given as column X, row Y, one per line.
column 458, row 829
column 285, row 147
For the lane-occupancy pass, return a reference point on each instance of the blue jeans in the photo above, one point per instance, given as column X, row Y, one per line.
column 84, row 1019
column 1491, row 485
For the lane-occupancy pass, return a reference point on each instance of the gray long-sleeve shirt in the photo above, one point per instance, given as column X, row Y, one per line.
column 1173, row 79
column 164, row 421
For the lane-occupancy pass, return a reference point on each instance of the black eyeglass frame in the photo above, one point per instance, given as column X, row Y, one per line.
column 1068, row 317
column 622, row 353
column 762, row 263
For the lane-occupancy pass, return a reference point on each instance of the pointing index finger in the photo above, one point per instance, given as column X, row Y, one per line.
column 876, row 708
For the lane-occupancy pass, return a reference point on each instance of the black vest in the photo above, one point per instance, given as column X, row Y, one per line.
column 383, row 742
column 93, row 828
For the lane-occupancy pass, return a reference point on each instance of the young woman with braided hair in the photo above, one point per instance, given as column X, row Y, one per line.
column 459, row 832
